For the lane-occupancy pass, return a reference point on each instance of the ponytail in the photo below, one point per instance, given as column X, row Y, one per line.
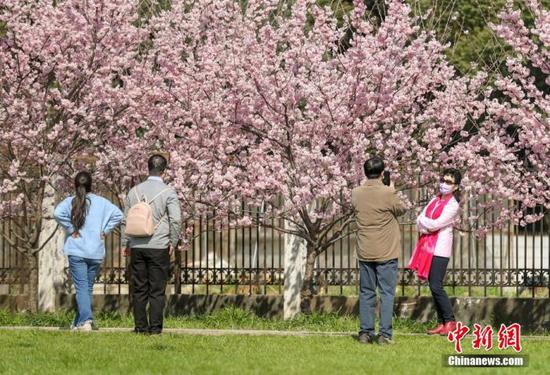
column 83, row 185
column 458, row 195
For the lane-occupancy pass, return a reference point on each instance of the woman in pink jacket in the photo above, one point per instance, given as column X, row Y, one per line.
column 435, row 246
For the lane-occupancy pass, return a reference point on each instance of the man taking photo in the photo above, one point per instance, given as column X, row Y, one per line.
column 377, row 207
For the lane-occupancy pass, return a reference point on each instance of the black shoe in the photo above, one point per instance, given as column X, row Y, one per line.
column 141, row 331
column 155, row 332
column 365, row 338
column 383, row 340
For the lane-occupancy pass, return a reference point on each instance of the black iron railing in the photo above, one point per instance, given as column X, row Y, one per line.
column 513, row 261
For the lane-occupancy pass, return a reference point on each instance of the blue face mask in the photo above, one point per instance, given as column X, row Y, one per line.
column 445, row 188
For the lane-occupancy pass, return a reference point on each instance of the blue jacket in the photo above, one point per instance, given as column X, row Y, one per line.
column 102, row 217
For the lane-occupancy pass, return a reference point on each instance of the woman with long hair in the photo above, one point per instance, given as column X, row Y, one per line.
column 435, row 246
column 87, row 218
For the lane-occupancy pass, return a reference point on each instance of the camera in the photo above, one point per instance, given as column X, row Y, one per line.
column 386, row 178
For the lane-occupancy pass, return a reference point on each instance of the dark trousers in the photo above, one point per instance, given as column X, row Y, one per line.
column 373, row 275
column 441, row 300
column 150, row 271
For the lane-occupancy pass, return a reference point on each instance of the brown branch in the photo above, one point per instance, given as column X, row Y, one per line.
column 338, row 234
column 288, row 231
column 18, row 236
column 331, row 225
column 47, row 240
column 10, row 241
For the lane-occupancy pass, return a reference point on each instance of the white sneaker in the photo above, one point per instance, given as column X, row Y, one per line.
column 86, row 326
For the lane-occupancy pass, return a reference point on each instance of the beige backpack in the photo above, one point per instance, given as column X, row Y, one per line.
column 139, row 220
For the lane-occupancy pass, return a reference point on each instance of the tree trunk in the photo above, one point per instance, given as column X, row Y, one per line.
column 308, row 290
column 32, row 262
column 51, row 276
column 295, row 254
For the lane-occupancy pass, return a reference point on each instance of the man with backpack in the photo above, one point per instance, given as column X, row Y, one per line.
column 150, row 234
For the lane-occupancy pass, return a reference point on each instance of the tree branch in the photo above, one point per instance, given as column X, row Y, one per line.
column 47, row 240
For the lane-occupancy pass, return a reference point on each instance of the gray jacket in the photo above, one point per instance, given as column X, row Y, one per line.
column 166, row 208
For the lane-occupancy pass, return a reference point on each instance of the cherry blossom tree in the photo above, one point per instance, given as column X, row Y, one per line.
column 273, row 103
column 270, row 106
column 506, row 149
column 62, row 96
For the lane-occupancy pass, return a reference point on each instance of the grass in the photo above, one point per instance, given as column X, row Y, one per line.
column 63, row 352
column 353, row 290
column 228, row 318
column 38, row 352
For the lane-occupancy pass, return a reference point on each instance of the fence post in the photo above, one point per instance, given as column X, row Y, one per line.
column 177, row 271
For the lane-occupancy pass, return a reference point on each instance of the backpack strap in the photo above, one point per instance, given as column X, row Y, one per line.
column 165, row 214
column 158, row 195
column 158, row 224
column 136, row 193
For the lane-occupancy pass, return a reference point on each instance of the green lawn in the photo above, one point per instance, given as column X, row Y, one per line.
column 38, row 352
column 64, row 352
column 353, row 290
column 228, row 318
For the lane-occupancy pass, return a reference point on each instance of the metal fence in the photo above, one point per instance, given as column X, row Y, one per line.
column 511, row 262
column 13, row 269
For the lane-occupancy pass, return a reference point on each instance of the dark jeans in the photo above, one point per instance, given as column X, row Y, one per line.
column 150, row 271
column 384, row 276
column 441, row 300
